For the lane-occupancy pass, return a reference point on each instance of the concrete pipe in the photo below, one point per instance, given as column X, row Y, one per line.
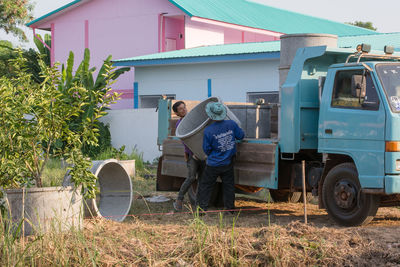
column 290, row 43
column 115, row 198
column 191, row 129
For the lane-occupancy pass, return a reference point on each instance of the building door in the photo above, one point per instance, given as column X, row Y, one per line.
column 170, row 44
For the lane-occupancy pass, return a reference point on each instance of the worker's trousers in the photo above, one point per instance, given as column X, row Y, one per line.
column 195, row 169
column 207, row 184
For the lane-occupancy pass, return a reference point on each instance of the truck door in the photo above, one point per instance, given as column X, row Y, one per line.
column 353, row 124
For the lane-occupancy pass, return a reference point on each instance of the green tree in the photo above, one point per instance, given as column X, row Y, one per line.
column 35, row 121
column 366, row 25
column 9, row 53
column 13, row 15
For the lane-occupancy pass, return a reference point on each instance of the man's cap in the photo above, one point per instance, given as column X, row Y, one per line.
column 216, row 111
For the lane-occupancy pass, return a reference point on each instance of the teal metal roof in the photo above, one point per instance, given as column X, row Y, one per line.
column 247, row 13
column 377, row 42
column 257, row 50
column 214, row 50
column 215, row 53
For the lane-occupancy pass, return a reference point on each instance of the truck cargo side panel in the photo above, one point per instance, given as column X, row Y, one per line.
column 174, row 163
column 255, row 165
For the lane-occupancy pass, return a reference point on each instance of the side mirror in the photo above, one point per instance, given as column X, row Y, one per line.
column 358, row 86
column 321, row 83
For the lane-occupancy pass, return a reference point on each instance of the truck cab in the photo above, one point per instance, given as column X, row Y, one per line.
column 358, row 134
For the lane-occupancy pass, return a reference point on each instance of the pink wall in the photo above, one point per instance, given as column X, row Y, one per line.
column 232, row 36
column 122, row 28
column 129, row 28
column 200, row 33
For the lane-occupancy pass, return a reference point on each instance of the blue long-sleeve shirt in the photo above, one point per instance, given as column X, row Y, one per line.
column 219, row 142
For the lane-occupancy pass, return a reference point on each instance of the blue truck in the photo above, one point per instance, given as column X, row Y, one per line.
column 339, row 112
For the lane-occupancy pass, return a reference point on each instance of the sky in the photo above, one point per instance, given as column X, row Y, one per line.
column 383, row 16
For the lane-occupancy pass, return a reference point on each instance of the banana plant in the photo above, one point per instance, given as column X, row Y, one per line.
column 97, row 88
column 43, row 50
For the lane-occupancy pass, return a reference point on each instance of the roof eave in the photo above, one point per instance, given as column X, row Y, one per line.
column 181, row 8
column 198, row 59
column 37, row 22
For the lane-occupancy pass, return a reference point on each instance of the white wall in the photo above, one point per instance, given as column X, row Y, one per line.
column 132, row 128
column 201, row 34
column 230, row 80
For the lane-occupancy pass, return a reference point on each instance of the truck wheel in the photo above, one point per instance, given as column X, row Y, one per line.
column 284, row 196
column 343, row 199
column 215, row 199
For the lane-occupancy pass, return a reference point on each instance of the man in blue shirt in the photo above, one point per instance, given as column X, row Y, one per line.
column 195, row 166
column 220, row 147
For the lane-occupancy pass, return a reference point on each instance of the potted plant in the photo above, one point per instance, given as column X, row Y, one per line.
column 53, row 119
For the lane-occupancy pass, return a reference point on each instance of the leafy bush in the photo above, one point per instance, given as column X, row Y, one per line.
column 36, row 120
column 104, row 141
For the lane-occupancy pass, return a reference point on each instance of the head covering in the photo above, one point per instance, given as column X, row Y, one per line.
column 216, row 111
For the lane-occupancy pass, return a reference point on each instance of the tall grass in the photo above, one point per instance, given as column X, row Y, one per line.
column 195, row 242
column 53, row 173
column 120, row 154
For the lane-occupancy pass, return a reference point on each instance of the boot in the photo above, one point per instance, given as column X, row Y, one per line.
column 178, row 204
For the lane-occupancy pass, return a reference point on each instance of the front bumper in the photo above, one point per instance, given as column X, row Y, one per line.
column 392, row 184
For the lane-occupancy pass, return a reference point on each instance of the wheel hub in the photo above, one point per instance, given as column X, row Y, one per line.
column 345, row 194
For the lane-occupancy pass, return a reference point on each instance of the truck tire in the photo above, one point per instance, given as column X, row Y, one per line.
column 285, row 196
column 216, row 199
column 343, row 200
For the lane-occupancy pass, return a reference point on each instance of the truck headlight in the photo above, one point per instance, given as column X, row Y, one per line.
column 398, row 165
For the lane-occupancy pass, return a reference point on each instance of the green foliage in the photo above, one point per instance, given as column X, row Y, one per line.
column 6, row 53
column 9, row 53
column 366, row 25
column 98, row 91
column 13, row 15
column 43, row 50
column 53, row 173
column 35, row 120
column 104, row 141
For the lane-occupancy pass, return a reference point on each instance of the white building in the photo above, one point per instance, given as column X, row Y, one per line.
column 234, row 72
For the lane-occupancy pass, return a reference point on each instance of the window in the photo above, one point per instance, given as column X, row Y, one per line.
column 269, row 97
column 151, row 101
column 389, row 76
column 349, row 88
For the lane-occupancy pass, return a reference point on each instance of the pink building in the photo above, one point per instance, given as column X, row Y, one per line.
column 129, row 28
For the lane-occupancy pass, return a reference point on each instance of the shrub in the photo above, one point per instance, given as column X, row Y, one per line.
column 36, row 121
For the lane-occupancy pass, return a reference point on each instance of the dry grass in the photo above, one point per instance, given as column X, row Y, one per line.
column 272, row 236
column 197, row 243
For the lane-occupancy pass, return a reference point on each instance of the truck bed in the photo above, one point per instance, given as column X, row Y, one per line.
column 256, row 156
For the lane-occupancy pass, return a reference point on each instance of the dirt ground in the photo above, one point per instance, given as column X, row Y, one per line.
column 378, row 242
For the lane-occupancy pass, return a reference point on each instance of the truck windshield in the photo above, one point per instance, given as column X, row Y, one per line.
column 389, row 75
